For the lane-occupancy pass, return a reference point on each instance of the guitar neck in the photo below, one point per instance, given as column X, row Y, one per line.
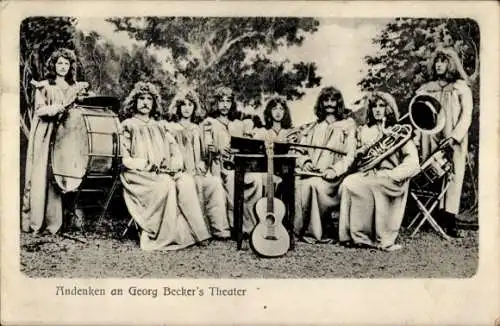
column 270, row 181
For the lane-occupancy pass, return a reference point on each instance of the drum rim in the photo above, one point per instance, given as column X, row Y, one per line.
column 82, row 108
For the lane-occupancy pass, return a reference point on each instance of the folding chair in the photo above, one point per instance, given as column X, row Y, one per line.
column 428, row 188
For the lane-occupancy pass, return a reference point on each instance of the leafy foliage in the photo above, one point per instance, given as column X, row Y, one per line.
column 405, row 46
column 112, row 70
column 207, row 52
column 401, row 67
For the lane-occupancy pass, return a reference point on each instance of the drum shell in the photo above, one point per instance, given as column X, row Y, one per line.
column 85, row 148
column 433, row 169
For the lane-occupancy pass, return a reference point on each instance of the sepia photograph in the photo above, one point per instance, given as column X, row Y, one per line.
column 220, row 153
column 200, row 146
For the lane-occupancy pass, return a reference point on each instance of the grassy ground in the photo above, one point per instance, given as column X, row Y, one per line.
column 108, row 255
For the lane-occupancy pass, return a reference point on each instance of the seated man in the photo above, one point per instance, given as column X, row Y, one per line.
column 317, row 195
column 373, row 202
column 157, row 194
column 223, row 122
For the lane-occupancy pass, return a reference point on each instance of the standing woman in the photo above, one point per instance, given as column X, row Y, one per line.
column 184, row 112
column 42, row 205
column 373, row 203
column 450, row 87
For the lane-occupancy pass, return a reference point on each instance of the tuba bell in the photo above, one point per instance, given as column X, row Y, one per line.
column 424, row 112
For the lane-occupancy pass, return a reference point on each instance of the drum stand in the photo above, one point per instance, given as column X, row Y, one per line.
column 115, row 180
column 427, row 201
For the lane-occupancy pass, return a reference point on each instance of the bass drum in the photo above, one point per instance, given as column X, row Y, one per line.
column 85, row 148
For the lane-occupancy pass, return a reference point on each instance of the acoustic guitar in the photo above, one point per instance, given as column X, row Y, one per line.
column 269, row 237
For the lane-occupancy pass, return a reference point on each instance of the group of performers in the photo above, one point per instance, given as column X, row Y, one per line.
column 180, row 193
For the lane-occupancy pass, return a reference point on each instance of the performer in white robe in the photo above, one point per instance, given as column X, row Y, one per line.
column 278, row 124
column 450, row 87
column 183, row 113
column 157, row 194
column 42, row 207
column 224, row 122
column 373, row 203
column 317, row 196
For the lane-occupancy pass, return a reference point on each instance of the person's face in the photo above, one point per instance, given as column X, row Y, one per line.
column 62, row 66
column 379, row 110
column 330, row 105
column 441, row 66
column 145, row 103
column 187, row 108
column 224, row 105
column 277, row 112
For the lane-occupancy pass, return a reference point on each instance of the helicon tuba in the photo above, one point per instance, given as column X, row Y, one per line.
column 424, row 116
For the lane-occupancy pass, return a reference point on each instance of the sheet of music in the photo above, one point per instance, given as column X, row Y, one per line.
column 118, row 196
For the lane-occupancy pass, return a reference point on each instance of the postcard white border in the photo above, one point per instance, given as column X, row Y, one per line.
column 316, row 301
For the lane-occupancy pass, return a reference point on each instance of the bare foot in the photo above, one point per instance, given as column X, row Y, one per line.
column 393, row 247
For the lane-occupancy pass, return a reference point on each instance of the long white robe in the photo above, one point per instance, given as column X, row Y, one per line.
column 316, row 198
column 372, row 205
column 456, row 103
column 42, row 204
column 221, row 133
column 160, row 203
column 210, row 189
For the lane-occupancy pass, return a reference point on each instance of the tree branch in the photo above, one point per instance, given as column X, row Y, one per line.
column 193, row 50
column 227, row 45
column 208, row 44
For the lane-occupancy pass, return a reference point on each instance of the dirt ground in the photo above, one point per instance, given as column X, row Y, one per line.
column 108, row 255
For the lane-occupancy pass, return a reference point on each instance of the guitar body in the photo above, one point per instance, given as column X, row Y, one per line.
column 269, row 237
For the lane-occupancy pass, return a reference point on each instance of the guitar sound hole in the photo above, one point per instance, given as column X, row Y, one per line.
column 270, row 220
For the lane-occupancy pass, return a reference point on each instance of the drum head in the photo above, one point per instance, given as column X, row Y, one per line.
column 70, row 151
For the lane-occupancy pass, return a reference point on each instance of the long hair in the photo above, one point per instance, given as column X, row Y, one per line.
column 286, row 122
column 130, row 104
column 391, row 109
column 329, row 92
column 455, row 69
column 180, row 99
column 220, row 93
column 51, row 65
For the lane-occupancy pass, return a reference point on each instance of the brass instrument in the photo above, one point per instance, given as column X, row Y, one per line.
column 395, row 137
column 424, row 113
column 295, row 134
column 424, row 116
